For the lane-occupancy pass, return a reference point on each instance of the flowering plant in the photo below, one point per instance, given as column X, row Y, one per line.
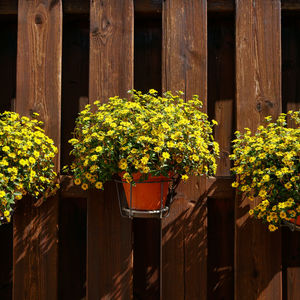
column 267, row 166
column 146, row 133
column 26, row 161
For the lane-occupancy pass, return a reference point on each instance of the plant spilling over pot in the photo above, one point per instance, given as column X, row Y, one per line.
column 267, row 168
column 26, row 161
column 144, row 135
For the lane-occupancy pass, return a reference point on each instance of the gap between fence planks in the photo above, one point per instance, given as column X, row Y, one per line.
column 184, row 236
column 258, row 82
column 38, row 90
column 291, row 101
column 109, row 244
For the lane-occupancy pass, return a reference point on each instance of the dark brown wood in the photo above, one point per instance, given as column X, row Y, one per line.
column 38, row 90
column 9, row 7
column 221, row 103
column 76, row 6
column 75, row 80
column 8, row 55
column 258, row 84
column 146, row 259
column 73, row 203
column 72, row 249
column 291, row 101
column 148, row 7
column 109, row 262
column 184, row 67
column 221, row 6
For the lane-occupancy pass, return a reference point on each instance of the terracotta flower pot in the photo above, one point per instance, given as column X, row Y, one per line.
column 297, row 221
column 147, row 194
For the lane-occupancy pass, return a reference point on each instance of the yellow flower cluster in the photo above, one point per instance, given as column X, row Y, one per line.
column 145, row 133
column 267, row 166
column 26, row 161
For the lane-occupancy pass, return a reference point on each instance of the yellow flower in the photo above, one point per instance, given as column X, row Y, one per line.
column 32, row 160
column 251, row 211
column 94, row 157
column 12, row 155
column 6, row 213
column 184, row 177
column 84, row 186
column 252, row 159
column 165, row 155
column 235, row 184
column 272, row 227
column 99, row 185
column 266, row 178
column 288, row 185
column 2, row 194
column 262, row 193
column 5, row 148
column 77, row 181
column 144, row 160
column 282, row 215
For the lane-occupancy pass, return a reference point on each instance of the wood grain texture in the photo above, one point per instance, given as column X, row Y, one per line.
column 184, row 67
column 38, row 90
column 109, row 263
column 258, row 92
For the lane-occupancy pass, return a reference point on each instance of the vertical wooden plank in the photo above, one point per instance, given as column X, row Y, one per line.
column 109, row 253
column 291, row 101
column 184, row 67
column 221, row 103
column 38, row 90
column 258, row 83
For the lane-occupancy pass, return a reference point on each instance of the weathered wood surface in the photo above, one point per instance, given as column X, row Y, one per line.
column 221, row 106
column 184, row 67
column 291, row 101
column 38, row 90
column 109, row 252
column 258, row 91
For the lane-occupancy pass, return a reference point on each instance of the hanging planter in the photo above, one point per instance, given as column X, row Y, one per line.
column 26, row 162
column 150, row 198
column 144, row 139
column 150, row 194
column 267, row 168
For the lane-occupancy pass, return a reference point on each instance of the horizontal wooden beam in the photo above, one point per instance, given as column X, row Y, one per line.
column 9, row 7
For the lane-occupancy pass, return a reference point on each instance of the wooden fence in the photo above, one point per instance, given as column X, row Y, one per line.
column 242, row 58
